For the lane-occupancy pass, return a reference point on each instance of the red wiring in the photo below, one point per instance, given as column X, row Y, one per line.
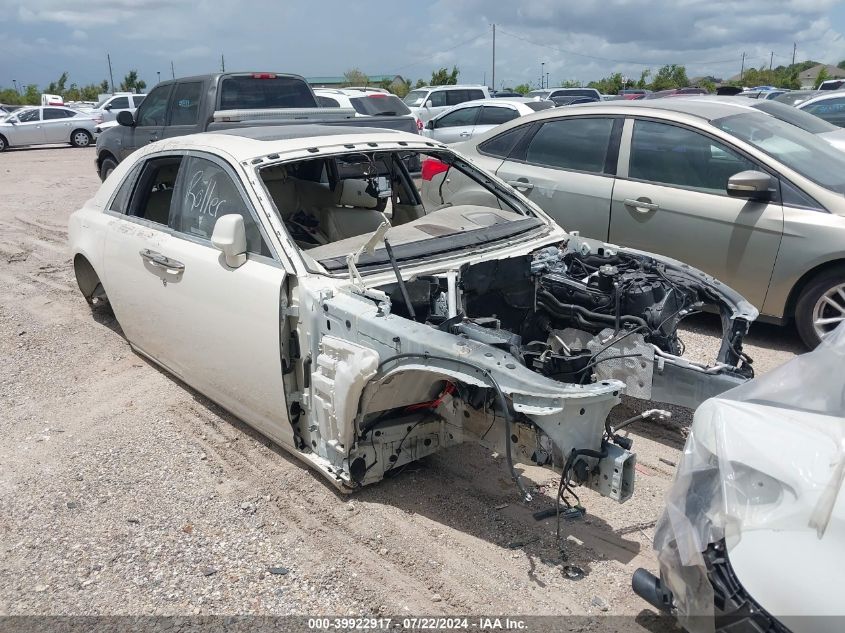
column 433, row 404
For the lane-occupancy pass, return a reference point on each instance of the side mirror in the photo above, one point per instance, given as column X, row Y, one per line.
column 430, row 125
column 751, row 184
column 108, row 107
column 429, row 104
column 13, row 120
column 229, row 236
column 125, row 117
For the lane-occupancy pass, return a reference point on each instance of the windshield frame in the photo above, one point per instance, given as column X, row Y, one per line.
column 415, row 103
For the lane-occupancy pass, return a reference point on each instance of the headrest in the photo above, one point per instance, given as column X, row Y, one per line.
column 277, row 172
column 353, row 193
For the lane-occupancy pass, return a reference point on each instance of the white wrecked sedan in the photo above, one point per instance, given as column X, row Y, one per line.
column 295, row 276
column 753, row 536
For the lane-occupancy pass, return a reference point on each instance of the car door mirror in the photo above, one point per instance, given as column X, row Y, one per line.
column 108, row 107
column 429, row 104
column 229, row 236
column 430, row 125
column 13, row 120
column 125, row 117
column 750, row 184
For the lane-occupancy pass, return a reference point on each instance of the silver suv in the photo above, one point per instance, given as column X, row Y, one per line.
column 429, row 101
column 108, row 108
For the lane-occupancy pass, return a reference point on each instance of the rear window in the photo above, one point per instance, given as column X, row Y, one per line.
column 540, row 105
column 574, row 92
column 246, row 92
column 794, row 116
column 379, row 105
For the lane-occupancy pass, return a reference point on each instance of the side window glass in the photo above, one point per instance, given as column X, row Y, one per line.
column 120, row 103
column 503, row 144
column 138, row 100
column 572, row 143
column 672, row 155
column 152, row 197
column 491, row 115
column 208, row 192
column 472, row 95
column 832, row 110
column 438, row 99
column 28, row 116
column 327, row 102
column 53, row 113
column 154, row 109
column 186, row 102
column 454, row 97
column 462, row 117
column 121, row 200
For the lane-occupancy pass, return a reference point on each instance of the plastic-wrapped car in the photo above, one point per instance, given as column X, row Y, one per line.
column 753, row 534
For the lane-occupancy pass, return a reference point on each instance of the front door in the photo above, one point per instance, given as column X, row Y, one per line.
column 29, row 129
column 218, row 328
column 673, row 201
column 567, row 168
column 149, row 121
column 456, row 125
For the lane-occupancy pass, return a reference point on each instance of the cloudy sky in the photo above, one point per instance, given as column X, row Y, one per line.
column 581, row 40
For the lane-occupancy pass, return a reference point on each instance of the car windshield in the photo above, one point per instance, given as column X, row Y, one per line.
column 804, row 120
column 415, row 97
column 101, row 104
column 793, row 98
column 262, row 91
column 799, row 150
column 539, row 93
column 377, row 104
column 331, row 206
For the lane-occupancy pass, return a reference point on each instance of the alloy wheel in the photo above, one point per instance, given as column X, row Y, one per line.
column 829, row 310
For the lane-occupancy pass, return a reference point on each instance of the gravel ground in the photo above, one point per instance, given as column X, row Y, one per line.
column 124, row 492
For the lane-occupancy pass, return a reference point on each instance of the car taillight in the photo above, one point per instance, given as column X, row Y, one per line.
column 377, row 95
column 420, row 125
column 263, row 76
column 431, row 167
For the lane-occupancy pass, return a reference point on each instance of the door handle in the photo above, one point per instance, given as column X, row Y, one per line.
column 642, row 205
column 161, row 261
column 464, row 134
column 153, row 139
column 521, row 184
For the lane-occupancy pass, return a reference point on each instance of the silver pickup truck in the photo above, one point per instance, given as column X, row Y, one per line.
column 220, row 101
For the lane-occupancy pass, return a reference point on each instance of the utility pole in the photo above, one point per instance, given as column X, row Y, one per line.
column 794, row 48
column 111, row 75
column 771, row 59
column 222, row 63
column 547, row 80
column 494, row 58
column 158, row 74
column 172, row 72
column 15, row 83
column 542, row 73
column 742, row 70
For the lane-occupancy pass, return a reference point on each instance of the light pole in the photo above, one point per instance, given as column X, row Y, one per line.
column 542, row 73
column 158, row 74
column 547, row 80
column 15, row 83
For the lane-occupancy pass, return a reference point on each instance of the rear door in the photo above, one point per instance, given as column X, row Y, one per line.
column 57, row 125
column 670, row 198
column 831, row 110
column 493, row 115
column 456, row 125
column 567, row 167
column 149, row 121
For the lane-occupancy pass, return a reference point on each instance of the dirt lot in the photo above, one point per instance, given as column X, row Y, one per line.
column 124, row 492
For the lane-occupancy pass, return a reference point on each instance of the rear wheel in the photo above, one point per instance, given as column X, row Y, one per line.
column 107, row 166
column 821, row 306
column 81, row 138
column 3, row 143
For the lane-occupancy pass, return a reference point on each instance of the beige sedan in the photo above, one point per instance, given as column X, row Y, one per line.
column 750, row 199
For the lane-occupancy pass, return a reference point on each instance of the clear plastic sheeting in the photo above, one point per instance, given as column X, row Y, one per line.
column 765, row 458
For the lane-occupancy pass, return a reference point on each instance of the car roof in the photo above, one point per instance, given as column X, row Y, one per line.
column 692, row 105
column 824, row 96
column 248, row 143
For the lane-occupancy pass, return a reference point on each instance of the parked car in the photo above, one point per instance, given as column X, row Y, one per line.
column 794, row 97
column 762, row 94
column 259, row 266
column 7, row 109
column 42, row 125
column 748, row 198
column 632, row 94
column 611, row 97
column 675, row 92
column 738, row 503
column 110, row 107
column 464, row 121
column 506, row 94
column 829, row 106
column 551, row 93
column 832, row 84
column 219, row 101
column 365, row 103
column 426, row 103
column 572, row 100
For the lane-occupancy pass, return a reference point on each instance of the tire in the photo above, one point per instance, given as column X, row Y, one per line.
column 821, row 306
column 3, row 143
column 81, row 138
column 107, row 166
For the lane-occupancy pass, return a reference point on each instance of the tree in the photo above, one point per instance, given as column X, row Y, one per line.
column 57, row 87
column 670, row 76
column 400, row 87
column 642, row 84
column 442, row 77
column 354, row 77
column 708, row 85
column 841, row 64
column 420, row 83
column 131, row 83
column 31, row 95
column 522, row 89
column 10, row 96
column 609, row 85
column 821, row 77
column 569, row 83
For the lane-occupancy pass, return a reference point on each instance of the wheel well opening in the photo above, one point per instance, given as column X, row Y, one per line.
column 789, row 312
column 103, row 156
column 86, row 278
